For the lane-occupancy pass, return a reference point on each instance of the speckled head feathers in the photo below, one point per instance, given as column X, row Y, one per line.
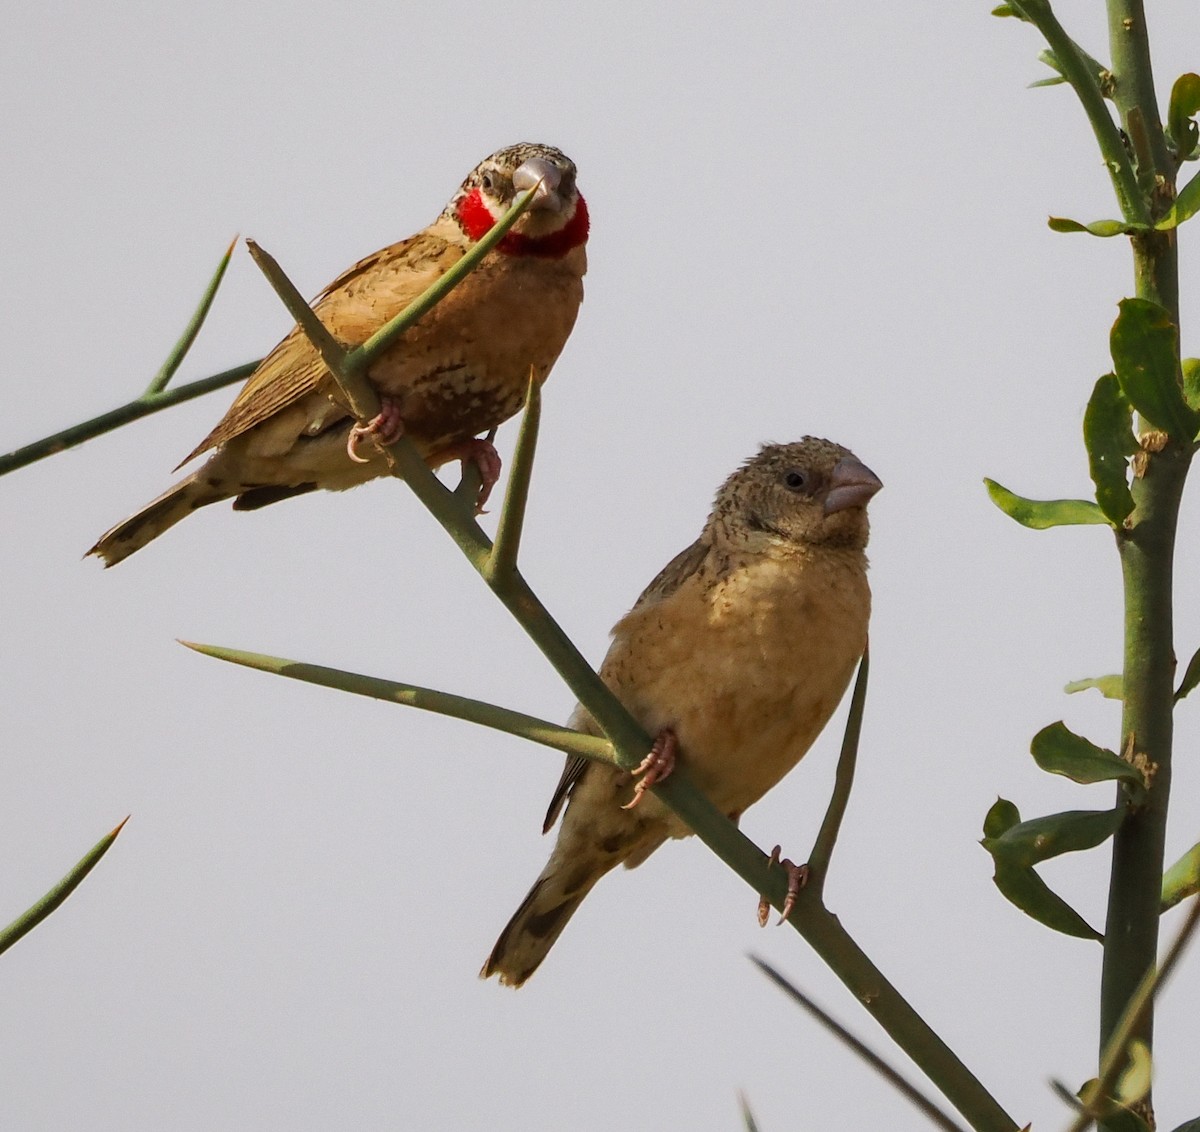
column 811, row 492
column 555, row 223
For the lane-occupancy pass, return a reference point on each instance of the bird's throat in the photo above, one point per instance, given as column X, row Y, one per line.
column 476, row 220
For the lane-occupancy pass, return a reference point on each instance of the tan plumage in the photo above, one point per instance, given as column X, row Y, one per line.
column 460, row 371
column 743, row 646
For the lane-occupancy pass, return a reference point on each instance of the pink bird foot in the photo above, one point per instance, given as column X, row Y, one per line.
column 656, row 766
column 385, row 428
column 481, row 453
column 797, row 879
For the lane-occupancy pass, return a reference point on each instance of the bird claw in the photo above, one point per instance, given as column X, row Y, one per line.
column 797, row 879
column 481, row 453
column 656, row 766
column 386, row 427
column 484, row 456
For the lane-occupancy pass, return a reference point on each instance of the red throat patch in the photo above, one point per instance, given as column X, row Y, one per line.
column 477, row 221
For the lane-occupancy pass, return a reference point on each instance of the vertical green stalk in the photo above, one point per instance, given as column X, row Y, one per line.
column 1147, row 556
column 1133, row 87
column 1131, row 935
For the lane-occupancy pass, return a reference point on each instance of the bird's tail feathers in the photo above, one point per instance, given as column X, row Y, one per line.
column 174, row 504
column 539, row 921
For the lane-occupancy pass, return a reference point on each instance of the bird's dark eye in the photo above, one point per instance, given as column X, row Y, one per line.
column 486, row 182
column 795, row 481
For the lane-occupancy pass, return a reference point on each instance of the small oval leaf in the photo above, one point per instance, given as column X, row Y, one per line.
column 1184, row 104
column 1059, row 750
column 1191, row 381
column 1102, row 228
column 1145, row 351
column 1108, row 436
column 1184, row 207
column 1030, row 842
column 1024, row 888
column 1134, row 1082
column 1000, row 818
column 1191, row 677
column 1110, row 687
column 1042, row 514
column 1182, row 879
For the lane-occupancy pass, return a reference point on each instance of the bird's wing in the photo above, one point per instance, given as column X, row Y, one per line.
column 675, row 573
column 572, row 773
column 667, row 581
column 294, row 368
column 391, row 254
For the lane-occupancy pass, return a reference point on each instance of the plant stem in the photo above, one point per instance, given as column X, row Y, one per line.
column 141, row 407
column 1078, row 73
column 822, row 851
column 1114, row 1055
column 1146, row 550
column 823, row 932
column 1133, row 85
column 869, row 1056
column 507, row 544
column 31, row 917
column 426, row 699
column 175, row 358
column 1147, row 558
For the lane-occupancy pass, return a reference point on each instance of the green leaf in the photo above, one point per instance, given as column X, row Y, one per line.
column 1191, row 677
column 1185, row 103
column 1182, row 879
column 1022, row 845
column 1041, row 514
column 1184, row 207
column 1024, row 888
column 1110, row 687
column 1000, row 818
column 748, row 1121
column 1134, row 1082
column 1191, row 381
column 1103, row 228
column 31, row 917
column 1192, row 1125
column 1051, row 60
column 1030, row 842
column 1108, row 436
column 1145, row 350
column 1058, row 750
column 1003, row 10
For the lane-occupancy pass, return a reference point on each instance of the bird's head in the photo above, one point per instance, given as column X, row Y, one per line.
column 811, row 493
column 556, row 221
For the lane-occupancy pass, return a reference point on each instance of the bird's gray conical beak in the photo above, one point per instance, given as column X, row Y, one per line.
column 851, row 485
column 538, row 169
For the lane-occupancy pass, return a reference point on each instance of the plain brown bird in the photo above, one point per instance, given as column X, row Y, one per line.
column 739, row 651
column 460, row 371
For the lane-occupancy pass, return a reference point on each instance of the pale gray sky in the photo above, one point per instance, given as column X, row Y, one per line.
column 821, row 219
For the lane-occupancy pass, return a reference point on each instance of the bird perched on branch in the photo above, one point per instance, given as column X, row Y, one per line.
column 736, row 655
column 459, row 371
